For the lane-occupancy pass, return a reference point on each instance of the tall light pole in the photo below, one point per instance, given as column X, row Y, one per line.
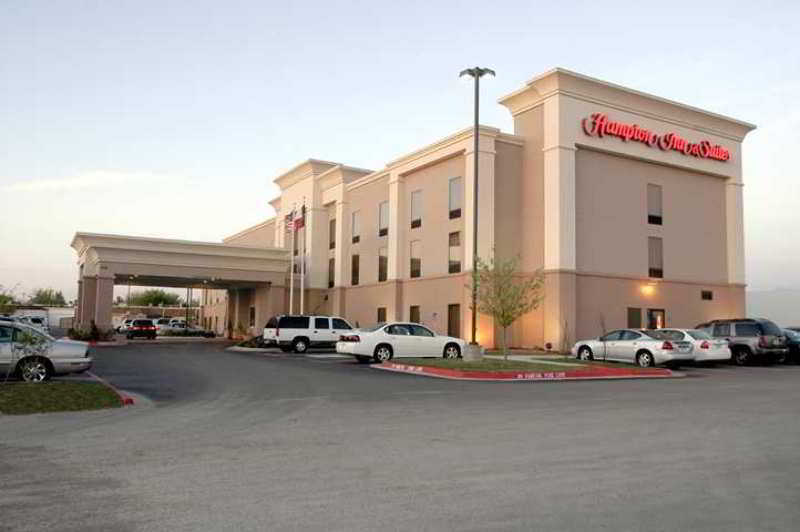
column 476, row 73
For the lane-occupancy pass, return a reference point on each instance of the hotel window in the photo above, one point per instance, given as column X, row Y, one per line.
column 416, row 260
column 413, row 314
column 383, row 264
column 634, row 318
column 252, row 316
column 455, row 195
column 383, row 218
column 654, row 212
column 355, row 227
column 656, row 318
column 332, row 234
column 706, row 295
column 656, row 256
column 416, row 209
column 454, row 261
column 381, row 314
column 354, row 270
column 331, row 271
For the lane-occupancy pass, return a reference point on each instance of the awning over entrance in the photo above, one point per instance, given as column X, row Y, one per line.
column 108, row 260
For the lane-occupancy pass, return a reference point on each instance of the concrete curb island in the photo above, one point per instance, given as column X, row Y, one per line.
column 124, row 397
column 603, row 373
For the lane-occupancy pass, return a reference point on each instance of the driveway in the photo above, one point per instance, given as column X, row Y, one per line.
column 240, row 441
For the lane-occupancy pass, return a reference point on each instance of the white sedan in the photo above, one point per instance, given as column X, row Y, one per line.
column 634, row 346
column 398, row 340
column 704, row 347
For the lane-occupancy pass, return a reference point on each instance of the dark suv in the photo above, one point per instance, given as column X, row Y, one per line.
column 146, row 328
column 750, row 340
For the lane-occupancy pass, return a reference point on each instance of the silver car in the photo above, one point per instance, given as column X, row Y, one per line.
column 35, row 356
column 635, row 347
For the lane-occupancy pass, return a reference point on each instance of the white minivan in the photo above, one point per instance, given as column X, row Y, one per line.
column 298, row 333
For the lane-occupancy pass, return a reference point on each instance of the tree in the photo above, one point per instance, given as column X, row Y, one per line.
column 504, row 294
column 155, row 297
column 47, row 297
column 7, row 301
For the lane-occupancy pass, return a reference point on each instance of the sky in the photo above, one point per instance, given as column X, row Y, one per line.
column 171, row 118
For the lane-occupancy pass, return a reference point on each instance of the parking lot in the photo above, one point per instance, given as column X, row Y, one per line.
column 248, row 441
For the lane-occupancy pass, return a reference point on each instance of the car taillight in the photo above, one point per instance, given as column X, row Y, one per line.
column 762, row 341
column 705, row 345
column 349, row 338
column 277, row 332
column 667, row 346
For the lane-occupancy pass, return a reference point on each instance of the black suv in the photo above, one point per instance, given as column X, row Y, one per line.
column 146, row 328
column 750, row 340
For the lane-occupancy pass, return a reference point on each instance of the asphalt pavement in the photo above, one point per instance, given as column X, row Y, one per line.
column 241, row 441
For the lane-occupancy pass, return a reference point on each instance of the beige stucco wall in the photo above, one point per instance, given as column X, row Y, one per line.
column 262, row 235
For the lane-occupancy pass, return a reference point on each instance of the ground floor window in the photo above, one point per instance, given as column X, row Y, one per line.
column 454, row 320
column 634, row 318
column 381, row 314
column 252, row 316
column 216, row 323
column 413, row 314
column 656, row 318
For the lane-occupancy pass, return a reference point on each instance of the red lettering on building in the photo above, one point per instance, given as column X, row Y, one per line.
column 599, row 125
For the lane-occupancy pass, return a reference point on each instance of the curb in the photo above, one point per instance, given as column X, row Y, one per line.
column 240, row 349
column 125, row 398
column 527, row 376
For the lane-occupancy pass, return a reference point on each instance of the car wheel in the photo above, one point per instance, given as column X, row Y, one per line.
column 362, row 359
column 584, row 353
column 34, row 369
column 383, row 353
column 741, row 356
column 451, row 351
column 781, row 359
column 645, row 359
column 300, row 345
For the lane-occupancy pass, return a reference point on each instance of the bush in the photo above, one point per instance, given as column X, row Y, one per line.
column 91, row 335
column 187, row 332
column 255, row 341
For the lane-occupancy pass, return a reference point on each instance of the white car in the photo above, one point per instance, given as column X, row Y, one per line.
column 161, row 324
column 125, row 325
column 398, row 340
column 298, row 333
column 704, row 347
column 35, row 356
column 634, row 346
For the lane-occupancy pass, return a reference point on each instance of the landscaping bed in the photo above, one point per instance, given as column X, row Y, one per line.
column 17, row 398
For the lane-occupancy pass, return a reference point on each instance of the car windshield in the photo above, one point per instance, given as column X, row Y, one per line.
column 770, row 328
column 794, row 335
column 35, row 331
column 373, row 328
column 699, row 335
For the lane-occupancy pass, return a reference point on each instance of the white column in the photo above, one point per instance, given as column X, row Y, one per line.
column 559, row 208
column 397, row 234
column 735, row 232
column 343, row 242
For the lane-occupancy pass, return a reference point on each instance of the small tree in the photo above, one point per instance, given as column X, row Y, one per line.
column 504, row 294
column 7, row 301
column 155, row 297
column 48, row 297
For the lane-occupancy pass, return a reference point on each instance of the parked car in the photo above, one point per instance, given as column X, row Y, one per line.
column 181, row 328
column 750, row 339
column 161, row 323
column 635, row 347
column 124, row 326
column 704, row 347
column 793, row 344
column 142, row 327
column 35, row 356
column 37, row 322
column 398, row 340
column 298, row 333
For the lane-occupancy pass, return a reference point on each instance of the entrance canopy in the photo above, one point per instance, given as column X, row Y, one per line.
column 108, row 260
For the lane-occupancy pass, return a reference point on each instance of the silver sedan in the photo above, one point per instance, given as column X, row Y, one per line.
column 635, row 347
column 35, row 356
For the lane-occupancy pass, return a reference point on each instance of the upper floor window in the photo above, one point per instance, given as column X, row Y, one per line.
column 654, row 212
column 416, row 209
column 383, row 264
column 331, row 271
column 332, row 234
column 455, row 197
column 416, row 259
column 454, row 253
column 656, row 256
column 383, row 218
column 355, row 226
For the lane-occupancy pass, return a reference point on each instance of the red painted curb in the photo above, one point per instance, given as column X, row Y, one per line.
column 573, row 374
column 126, row 399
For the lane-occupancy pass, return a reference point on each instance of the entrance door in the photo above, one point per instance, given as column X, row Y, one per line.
column 454, row 320
column 656, row 318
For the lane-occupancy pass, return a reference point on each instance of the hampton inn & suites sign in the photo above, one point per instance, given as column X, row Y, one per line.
column 599, row 125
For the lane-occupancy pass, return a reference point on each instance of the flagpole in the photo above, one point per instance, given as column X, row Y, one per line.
column 291, row 269
column 303, row 263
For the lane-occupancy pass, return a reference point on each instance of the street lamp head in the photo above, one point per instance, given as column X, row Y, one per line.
column 476, row 72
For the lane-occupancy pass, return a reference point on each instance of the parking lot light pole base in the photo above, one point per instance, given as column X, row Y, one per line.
column 472, row 352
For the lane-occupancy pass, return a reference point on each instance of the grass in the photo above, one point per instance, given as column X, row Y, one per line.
column 486, row 364
column 18, row 398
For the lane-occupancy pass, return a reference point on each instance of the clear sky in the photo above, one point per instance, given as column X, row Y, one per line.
column 167, row 118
